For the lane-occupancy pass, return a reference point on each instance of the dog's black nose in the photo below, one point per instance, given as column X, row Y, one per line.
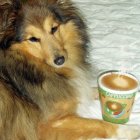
column 59, row 60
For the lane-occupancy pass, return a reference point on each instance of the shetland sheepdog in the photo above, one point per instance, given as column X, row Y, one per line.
column 45, row 75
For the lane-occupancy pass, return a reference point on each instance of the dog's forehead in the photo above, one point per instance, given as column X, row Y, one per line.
column 35, row 14
column 49, row 22
column 39, row 16
column 45, row 27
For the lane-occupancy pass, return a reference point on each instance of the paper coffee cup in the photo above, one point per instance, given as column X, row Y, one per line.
column 117, row 91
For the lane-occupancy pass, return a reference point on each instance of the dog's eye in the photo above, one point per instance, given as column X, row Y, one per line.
column 54, row 29
column 34, row 39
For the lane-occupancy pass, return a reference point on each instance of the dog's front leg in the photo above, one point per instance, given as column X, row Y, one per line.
column 77, row 128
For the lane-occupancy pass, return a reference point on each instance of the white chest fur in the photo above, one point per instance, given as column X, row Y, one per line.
column 85, row 94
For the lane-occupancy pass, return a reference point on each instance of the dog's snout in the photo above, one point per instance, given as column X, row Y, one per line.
column 59, row 60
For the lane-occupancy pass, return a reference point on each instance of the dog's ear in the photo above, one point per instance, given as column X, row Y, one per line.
column 8, row 14
column 64, row 10
column 60, row 1
column 63, row 3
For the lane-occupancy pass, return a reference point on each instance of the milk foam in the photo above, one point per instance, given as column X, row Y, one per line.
column 120, row 82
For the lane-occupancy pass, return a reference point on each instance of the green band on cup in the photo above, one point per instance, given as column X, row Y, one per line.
column 117, row 96
column 119, row 121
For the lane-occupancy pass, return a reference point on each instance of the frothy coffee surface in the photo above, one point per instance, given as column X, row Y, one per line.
column 119, row 82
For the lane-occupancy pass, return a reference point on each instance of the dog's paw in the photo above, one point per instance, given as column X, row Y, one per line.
column 130, row 132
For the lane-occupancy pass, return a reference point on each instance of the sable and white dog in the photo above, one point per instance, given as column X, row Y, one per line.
column 44, row 75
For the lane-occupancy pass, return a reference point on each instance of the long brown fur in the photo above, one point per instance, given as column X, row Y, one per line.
column 38, row 97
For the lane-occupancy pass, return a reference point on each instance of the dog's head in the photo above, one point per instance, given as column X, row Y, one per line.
column 51, row 31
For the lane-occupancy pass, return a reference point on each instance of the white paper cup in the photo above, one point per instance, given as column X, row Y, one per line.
column 117, row 101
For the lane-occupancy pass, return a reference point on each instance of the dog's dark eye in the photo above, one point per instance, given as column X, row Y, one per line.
column 34, row 39
column 54, row 29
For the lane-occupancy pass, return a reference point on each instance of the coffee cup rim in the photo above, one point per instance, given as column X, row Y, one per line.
column 101, row 75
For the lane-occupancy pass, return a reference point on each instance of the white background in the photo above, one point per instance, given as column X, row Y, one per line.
column 114, row 28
